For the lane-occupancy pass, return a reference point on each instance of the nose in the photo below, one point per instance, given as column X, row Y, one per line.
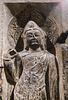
column 34, row 36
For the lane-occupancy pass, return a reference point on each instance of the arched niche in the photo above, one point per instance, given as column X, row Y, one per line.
column 31, row 11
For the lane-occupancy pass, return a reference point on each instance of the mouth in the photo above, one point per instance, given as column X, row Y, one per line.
column 34, row 42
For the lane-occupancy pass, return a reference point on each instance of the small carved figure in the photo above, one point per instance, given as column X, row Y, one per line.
column 33, row 71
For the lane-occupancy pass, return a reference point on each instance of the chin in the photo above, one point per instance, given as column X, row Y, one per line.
column 34, row 46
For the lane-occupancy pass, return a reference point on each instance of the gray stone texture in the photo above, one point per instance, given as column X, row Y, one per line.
column 33, row 71
column 60, row 15
column 65, row 69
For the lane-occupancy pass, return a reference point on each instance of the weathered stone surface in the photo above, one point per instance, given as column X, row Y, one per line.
column 65, row 69
column 32, row 12
column 34, row 70
column 58, row 54
column 7, row 13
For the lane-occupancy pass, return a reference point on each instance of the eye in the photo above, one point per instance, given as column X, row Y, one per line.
column 29, row 34
column 37, row 34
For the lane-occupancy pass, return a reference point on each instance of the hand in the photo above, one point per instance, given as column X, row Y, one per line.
column 13, row 53
column 10, row 54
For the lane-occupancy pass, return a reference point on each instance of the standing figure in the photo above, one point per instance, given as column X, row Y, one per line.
column 33, row 71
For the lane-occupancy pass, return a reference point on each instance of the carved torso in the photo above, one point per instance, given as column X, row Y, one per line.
column 31, row 85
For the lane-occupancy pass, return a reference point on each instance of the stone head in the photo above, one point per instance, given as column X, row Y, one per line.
column 33, row 36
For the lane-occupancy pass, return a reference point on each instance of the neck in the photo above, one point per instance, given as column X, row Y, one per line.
column 37, row 50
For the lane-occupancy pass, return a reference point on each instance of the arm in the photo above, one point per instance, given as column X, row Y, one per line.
column 13, row 66
column 53, row 79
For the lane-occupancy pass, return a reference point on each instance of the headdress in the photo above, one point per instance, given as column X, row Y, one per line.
column 31, row 25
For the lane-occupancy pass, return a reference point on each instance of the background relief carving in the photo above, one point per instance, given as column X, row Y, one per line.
column 49, row 17
column 31, row 12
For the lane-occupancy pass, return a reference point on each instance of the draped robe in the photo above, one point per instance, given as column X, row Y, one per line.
column 34, row 74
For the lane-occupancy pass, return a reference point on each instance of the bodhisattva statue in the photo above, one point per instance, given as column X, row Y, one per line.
column 33, row 71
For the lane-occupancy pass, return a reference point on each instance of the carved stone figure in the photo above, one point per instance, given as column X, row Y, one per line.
column 33, row 71
column 65, row 69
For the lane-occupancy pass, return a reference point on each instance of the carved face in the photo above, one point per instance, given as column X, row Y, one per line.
column 33, row 38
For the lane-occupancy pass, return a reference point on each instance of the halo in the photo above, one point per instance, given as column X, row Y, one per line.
column 17, row 24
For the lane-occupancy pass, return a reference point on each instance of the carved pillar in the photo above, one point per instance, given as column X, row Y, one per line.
column 65, row 69
column 1, row 49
